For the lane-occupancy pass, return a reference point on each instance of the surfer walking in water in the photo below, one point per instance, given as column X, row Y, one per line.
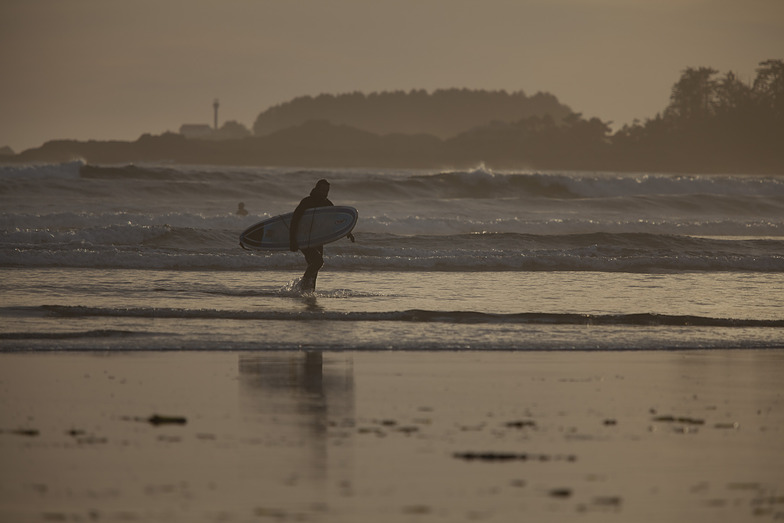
column 314, row 256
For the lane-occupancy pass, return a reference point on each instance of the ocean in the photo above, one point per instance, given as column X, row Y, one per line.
column 146, row 257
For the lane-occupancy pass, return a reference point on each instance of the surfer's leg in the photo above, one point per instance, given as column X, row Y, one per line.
column 315, row 259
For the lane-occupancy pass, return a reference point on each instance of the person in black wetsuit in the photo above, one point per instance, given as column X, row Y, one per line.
column 313, row 255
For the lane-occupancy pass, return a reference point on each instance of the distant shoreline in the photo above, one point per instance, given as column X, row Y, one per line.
column 322, row 144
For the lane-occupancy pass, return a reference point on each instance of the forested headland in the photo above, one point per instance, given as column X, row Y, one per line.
column 443, row 113
column 714, row 123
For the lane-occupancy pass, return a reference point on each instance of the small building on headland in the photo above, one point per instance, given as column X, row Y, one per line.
column 231, row 130
column 197, row 131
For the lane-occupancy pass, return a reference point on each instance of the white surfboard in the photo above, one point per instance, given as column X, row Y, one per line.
column 318, row 226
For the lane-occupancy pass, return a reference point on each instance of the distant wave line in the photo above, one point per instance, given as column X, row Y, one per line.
column 419, row 316
column 98, row 333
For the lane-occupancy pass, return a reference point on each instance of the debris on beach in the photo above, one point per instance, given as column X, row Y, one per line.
column 417, row 509
column 608, row 501
column 512, row 456
column 686, row 423
column 521, row 424
column 83, row 438
column 602, row 504
column 25, row 432
column 390, row 425
column 371, row 430
column 679, row 419
column 158, row 419
column 561, row 493
column 731, row 426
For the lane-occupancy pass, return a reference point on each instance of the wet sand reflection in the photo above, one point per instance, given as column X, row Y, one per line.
column 300, row 407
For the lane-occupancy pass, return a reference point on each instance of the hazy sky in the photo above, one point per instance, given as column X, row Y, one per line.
column 115, row 69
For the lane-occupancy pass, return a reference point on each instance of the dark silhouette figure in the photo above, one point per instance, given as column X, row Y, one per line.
column 314, row 256
column 241, row 209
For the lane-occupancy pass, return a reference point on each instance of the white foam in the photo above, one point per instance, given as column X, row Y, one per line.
column 68, row 170
column 478, row 219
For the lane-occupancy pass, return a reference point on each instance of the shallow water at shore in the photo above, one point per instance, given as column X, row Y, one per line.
column 90, row 309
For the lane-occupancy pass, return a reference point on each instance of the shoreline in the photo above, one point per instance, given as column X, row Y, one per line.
column 392, row 436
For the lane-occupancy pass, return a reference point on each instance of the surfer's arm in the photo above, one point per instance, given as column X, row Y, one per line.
column 298, row 212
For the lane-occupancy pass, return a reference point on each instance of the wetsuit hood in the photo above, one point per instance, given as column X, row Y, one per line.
column 321, row 185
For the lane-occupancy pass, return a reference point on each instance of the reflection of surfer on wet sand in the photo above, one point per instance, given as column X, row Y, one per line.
column 314, row 255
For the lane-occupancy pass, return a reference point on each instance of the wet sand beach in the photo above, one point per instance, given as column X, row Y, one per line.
column 392, row 436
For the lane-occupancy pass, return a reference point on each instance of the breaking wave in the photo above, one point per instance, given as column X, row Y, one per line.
column 357, row 184
column 416, row 316
column 182, row 217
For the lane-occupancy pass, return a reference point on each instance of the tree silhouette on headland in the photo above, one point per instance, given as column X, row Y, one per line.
column 712, row 124
column 444, row 113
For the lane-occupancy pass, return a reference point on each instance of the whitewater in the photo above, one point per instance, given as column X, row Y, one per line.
column 146, row 257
